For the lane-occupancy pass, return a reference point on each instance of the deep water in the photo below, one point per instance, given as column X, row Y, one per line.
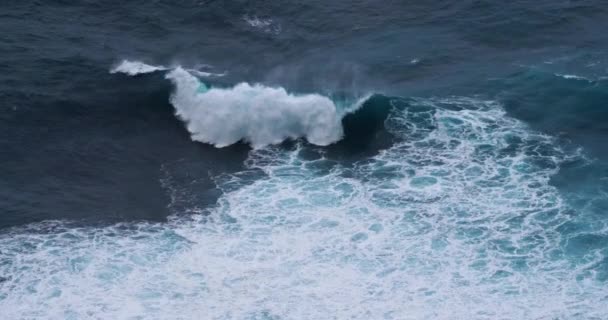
column 303, row 160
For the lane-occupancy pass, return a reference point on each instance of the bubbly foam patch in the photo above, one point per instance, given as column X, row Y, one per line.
column 254, row 113
column 456, row 221
column 265, row 25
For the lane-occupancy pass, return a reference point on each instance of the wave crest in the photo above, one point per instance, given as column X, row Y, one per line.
column 251, row 113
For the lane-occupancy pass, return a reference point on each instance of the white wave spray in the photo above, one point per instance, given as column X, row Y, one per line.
column 254, row 113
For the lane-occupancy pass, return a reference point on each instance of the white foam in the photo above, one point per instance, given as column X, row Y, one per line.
column 257, row 22
column 266, row 25
column 456, row 221
column 204, row 74
column 572, row 76
column 134, row 68
column 257, row 114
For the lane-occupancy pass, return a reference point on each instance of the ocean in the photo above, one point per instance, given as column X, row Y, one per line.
column 200, row 159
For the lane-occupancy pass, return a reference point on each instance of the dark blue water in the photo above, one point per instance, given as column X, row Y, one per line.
column 304, row 160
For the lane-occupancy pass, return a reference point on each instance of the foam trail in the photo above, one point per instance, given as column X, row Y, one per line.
column 572, row 77
column 257, row 114
column 134, row 68
column 204, row 74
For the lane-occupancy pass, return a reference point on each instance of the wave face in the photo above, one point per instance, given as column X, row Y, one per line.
column 256, row 114
column 456, row 220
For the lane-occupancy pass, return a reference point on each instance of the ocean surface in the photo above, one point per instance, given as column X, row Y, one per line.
column 274, row 160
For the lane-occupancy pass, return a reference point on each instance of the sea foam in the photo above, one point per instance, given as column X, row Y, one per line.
column 133, row 68
column 458, row 220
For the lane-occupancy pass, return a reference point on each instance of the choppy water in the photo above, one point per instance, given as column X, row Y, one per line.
column 266, row 160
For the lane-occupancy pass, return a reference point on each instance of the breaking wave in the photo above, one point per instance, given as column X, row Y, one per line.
column 252, row 113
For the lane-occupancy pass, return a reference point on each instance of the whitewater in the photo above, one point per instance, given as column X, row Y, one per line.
column 456, row 220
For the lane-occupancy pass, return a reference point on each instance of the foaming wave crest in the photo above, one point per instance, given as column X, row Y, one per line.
column 455, row 221
column 256, row 114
